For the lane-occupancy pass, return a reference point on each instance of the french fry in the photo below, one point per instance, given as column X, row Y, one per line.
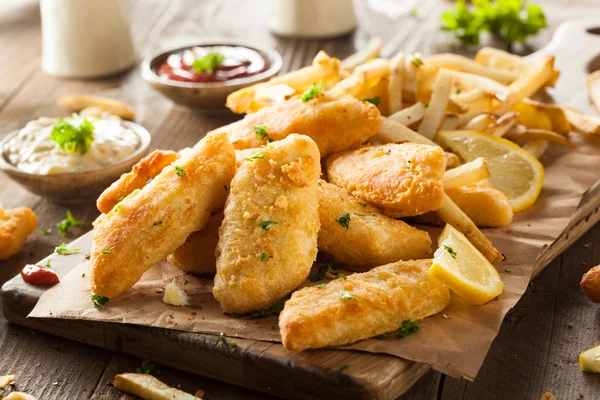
column 536, row 115
column 503, row 60
column 78, row 102
column 463, row 64
column 466, row 174
column 369, row 52
column 396, row 84
column 409, row 115
column 593, row 85
column 394, row 132
column 411, row 76
column 477, row 101
column 363, row 77
column 148, row 387
column 536, row 147
column 274, row 94
column 452, row 160
column 538, row 134
column 465, row 82
column 437, row 106
column 480, row 123
column 503, row 124
column 582, row 123
column 451, row 214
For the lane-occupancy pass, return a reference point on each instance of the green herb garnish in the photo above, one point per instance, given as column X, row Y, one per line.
column 208, row 63
column 261, row 132
column 83, row 275
column 262, row 256
column 45, row 231
column 415, row 59
column 508, row 270
column 63, row 251
column 451, row 251
column 64, row 225
column 373, row 100
column 266, row 225
column 73, row 139
column 408, row 328
column 343, row 368
column 364, row 203
column 179, row 171
column 146, row 367
column 312, row 92
column 327, row 268
column 344, row 295
column 259, row 155
column 105, row 252
column 322, row 285
column 48, row 263
column 414, row 13
column 99, row 301
column 148, row 181
column 344, row 220
column 222, row 338
column 233, row 343
column 157, row 223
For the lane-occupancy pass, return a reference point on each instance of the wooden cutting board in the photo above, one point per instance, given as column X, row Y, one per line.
column 268, row 367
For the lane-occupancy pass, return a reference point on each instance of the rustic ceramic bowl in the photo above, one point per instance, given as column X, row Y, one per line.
column 208, row 97
column 76, row 187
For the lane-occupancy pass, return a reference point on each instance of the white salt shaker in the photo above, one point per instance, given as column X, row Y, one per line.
column 85, row 38
column 312, row 18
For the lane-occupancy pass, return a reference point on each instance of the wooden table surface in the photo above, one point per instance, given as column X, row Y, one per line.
column 538, row 345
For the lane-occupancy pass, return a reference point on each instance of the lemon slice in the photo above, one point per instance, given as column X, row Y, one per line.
column 461, row 267
column 513, row 170
column 589, row 360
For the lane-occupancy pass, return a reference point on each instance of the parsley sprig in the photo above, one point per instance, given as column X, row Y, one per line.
column 266, row 225
column 373, row 100
column 208, row 63
column 99, row 301
column 73, row 139
column 146, row 367
column 312, row 92
column 63, row 251
column 407, row 328
column 261, row 132
column 327, row 269
column 344, row 220
column 64, row 225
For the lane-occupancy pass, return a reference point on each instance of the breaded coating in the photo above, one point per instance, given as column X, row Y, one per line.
column 15, row 226
column 197, row 255
column 370, row 238
column 147, row 168
column 153, row 222
column 268, row 239
column 335, row 124
column 403, row 180
column 484, row 205
column 362, row 306
column 590, row 283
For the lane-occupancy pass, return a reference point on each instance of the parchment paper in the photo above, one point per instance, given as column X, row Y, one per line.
column 454, row 342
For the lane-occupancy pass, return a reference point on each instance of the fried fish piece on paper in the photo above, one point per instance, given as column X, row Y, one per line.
column 362, row 306
column 15, row 226
column 268, row 239
column 359, row 236
column 403, row 180
column 146, row 169
column 335, row 124
column 153, row 222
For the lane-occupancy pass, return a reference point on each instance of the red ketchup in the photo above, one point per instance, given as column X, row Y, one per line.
column 237, row 62
column 39, row 275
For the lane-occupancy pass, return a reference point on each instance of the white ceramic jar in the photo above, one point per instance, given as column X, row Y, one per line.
column 85, row 38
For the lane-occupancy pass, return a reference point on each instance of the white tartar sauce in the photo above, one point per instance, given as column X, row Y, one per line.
column 34, row 152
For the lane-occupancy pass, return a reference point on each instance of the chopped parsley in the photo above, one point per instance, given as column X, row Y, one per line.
column 73, row 139
column 208, row 63
column 312, row 92
column 83, row 275
column 121, row 198
column 274, row 309
column 383, row 336
column 179, row 171
column 149, row 181
column 157, row 223
column 508, row 270
column 458, row 91
column 364, row 203
column 416, row 60
column 408, row 328
column 451, row 251
column 233, row 343
column 373, row 100
column 343, row 368
column 64, row 225
column 414, row 13
column 266, row 225
column 359, row 215
column 322, row 285
column 146, row 367
column 105, row 252
column 262, row 256
column 63, row 251
column 326, row 269
column 344, row 220
column 344, row 277
column 48, row 263
column 45, row 231
column 259, row 155
column 99, row 301
column 222, row 338
column 344, row 295
column 261, row 132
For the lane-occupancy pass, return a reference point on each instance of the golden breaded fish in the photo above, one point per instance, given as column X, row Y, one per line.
column 401, row 179
column 362, row 306
column 15, row 226
column 359, row 236
column 197, row 255
column 268, row 239
column 335, row 124
column 147, row 168
column 153, row 222
column 484, row 205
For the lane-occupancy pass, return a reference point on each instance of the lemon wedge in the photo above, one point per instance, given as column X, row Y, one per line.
column 461, row 267
column 589, row 360
column 513, row 170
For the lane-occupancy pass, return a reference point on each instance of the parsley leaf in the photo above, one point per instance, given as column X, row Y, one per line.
column 157, row 223
column 208, row 63
column 64, row 225
column 344, row 295
column 262, row 256
column 73, row 139
column 261, row 132
column 146, row 367
column 363, row 204
column 222, row 338
column 106, row 252
column 373, row 100
column 344, row 220
column 343, row 368
column 408, row 328
column 266, row 225
column 99, row 301
column 259, row 155
column 451, row 251
column 179, row 171
column 326, row 269
column 45, row 231
column 312, row 92
column 48, row 263
column 63, row 251
column 416, row 60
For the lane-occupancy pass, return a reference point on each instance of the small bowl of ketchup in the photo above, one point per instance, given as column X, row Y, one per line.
column 203, row 75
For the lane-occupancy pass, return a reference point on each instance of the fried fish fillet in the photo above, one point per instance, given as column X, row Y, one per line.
column 362, row 306
column 15, row 226
column 268, row 239
column 147, row 168
column 484, row 205
column 335, row 124
column 401, row 179
column 197, row 254
column 153, row 222
column 359, row 236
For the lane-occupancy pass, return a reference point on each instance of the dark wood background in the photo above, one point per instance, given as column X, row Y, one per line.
column 538, row 346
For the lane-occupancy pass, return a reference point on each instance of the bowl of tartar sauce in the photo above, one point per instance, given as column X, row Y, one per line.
column 73, row 159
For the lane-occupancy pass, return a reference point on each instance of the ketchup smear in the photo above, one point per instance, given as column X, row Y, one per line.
column 239, row 62
column 39, row 275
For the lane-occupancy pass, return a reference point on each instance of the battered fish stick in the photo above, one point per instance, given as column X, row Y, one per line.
column 335, row 124
column 197, row 255
column 153, row 222
column 403, row 180
column 268, row 239
column 362, row 306
column 359, row 236
column 15, row 226
column 147, row 168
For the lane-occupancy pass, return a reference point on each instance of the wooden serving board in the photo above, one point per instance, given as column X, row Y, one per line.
column 267, row 366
